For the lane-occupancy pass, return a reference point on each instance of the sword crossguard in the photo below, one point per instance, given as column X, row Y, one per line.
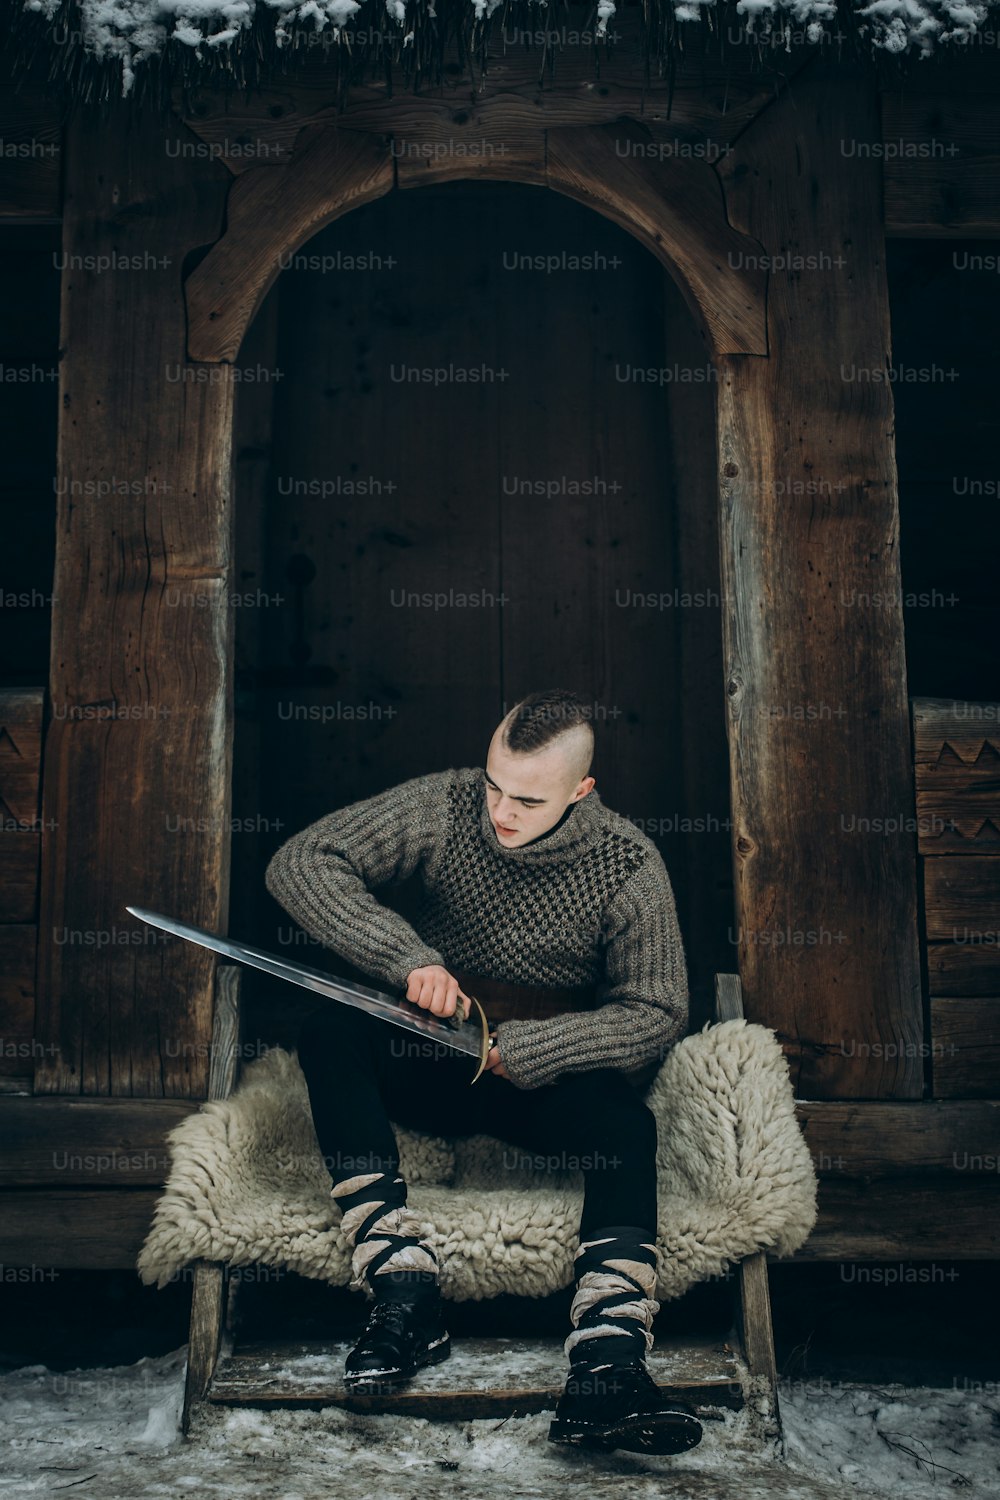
column 487, row 1038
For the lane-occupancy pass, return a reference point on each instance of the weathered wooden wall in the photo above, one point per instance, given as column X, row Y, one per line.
column 957, row 765
column 815, row 675
column 139, row 687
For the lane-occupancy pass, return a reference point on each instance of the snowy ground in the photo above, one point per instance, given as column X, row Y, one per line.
column 114, row 1433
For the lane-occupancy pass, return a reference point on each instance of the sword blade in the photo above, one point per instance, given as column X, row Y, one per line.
column 398, row 1012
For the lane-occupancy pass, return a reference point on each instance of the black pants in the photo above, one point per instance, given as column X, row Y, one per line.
column 363, row 1072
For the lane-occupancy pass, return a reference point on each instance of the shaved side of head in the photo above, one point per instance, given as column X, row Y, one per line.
column 554, row 718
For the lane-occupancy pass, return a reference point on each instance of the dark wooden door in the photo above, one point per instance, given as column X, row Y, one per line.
column 491, row 470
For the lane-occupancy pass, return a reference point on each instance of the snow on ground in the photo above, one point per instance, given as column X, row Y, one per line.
column 114, row 1433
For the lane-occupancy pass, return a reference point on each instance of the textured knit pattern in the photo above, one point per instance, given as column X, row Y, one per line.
column 589, row 903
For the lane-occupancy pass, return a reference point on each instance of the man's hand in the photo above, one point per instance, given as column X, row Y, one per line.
column 434, row 989
column 493, row 1063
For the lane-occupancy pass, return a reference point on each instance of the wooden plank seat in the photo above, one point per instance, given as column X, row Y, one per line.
column 484, row 1377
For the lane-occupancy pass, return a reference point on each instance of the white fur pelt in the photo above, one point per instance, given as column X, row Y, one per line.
column 248, row 1185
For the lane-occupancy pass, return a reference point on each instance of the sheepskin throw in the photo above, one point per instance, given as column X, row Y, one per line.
column 248, row 1185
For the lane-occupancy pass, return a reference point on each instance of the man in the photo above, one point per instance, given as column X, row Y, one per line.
column 527, row 878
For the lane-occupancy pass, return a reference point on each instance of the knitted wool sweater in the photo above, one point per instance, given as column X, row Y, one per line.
column 589, row 903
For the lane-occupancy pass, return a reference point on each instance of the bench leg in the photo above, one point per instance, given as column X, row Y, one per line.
column 208, row 1296
column 208, row 1292
column 753, row 1295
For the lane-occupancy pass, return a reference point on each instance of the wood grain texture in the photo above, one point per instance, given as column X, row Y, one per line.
column 20, row 782
column 499, row 1377
column 18, row 1043
column 141, row 633
column 956, row 757
column 208, row 1289
column 946, row 1218
column 924, row 1138
column 19, row 867
column 270, row 212
column 253, row 433
column 707, row 100
column 942, row 162
column 359, row 677
column 815, row 681
column 87, row 1230
column 963, row 968
column 20, row 754
column 676, row 208
column 92, row 1143
column 962, row 901
column 702, row 847
column 753, row 1302
column 673, row 205
column 951, row 1216
column 30, row 164
column 966, row 1053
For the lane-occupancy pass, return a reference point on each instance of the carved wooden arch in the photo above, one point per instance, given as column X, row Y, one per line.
column 675, row 207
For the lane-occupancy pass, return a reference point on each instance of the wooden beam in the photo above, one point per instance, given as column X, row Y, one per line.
column 919, row 1139
column 69, row 1143
column 500, row 1377
column 20, row 781
column 141, row 631
column 18, row 1043
column 966, row 1054
column 945, row 1218
column 856, row 1139
column 703, row 103
column 676, row 208
column 941, row 138
column 30, row 162
column 208, row 1291
column 753, row 1304
column 815, row 678
column 94, row 1230
column 271, row 212
column 956, row 759
column 963, row 968
column 962, row 901
column 948, row 1216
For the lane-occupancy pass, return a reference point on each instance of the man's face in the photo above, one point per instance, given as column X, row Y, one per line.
column 528, row 794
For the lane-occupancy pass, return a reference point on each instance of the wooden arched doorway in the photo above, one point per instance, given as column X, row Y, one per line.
column 638, row 658
column 542, row 511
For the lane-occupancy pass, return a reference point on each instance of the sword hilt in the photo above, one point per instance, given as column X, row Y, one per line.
column 487, row 1035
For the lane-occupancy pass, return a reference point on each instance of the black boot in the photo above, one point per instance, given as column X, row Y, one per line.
column 609, row 1404
column 610, row 1399
column 405, row 1331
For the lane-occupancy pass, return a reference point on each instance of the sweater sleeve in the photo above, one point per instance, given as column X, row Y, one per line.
column 323, row 876
column 645, row 1009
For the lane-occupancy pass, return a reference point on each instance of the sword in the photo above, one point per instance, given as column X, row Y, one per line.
column 472, row 1037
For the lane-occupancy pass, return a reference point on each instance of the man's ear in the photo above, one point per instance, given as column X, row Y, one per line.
column 586, row 785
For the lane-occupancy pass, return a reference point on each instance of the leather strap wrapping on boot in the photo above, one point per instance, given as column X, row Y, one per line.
column 383, row 1233
column 614, row 1299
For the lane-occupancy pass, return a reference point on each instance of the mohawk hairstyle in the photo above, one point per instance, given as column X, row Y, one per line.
column 541, row 717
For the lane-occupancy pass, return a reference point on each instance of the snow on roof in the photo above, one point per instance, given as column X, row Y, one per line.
column 133, row 31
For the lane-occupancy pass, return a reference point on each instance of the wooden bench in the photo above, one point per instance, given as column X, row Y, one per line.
column 493, row 1376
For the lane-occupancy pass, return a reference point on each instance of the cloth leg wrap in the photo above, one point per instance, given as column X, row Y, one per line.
column 383, row 1233
column 615, row 1296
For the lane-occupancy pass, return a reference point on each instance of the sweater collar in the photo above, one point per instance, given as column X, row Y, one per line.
column 578, row 830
